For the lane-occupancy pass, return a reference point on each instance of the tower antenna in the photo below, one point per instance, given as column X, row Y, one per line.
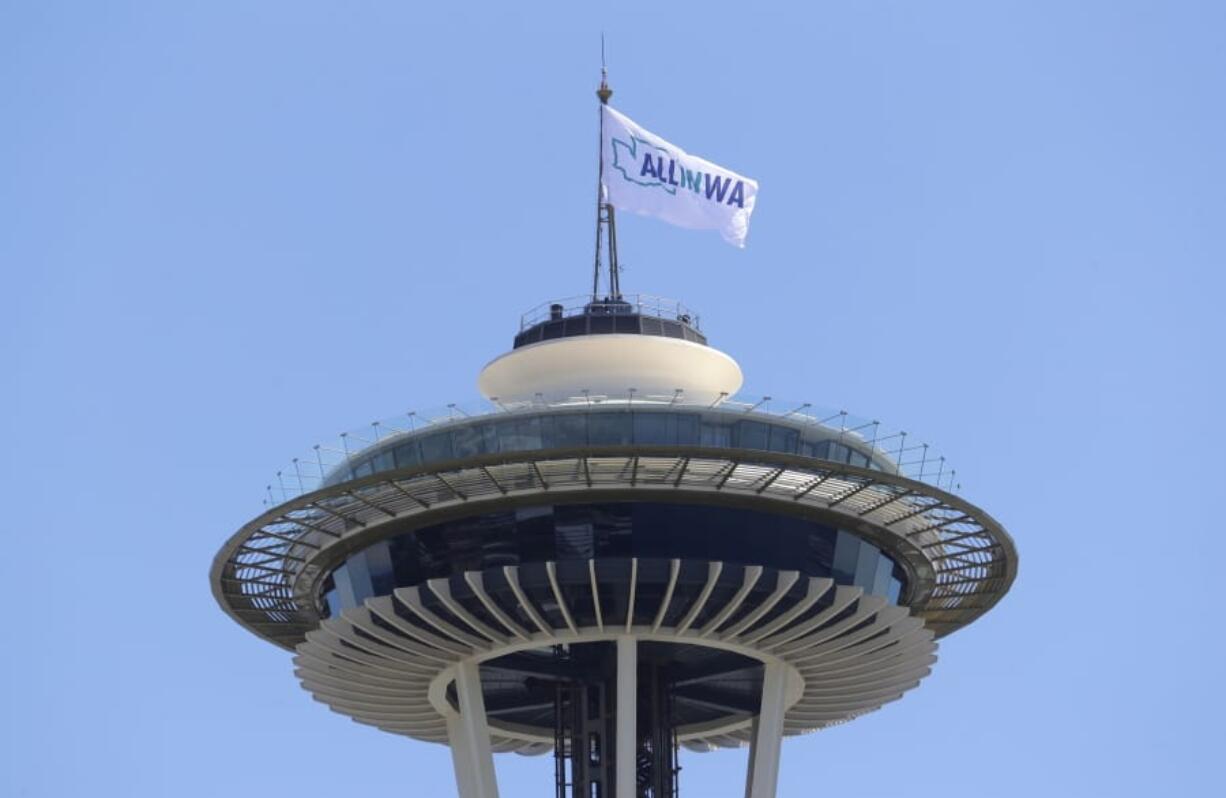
column 604, row 210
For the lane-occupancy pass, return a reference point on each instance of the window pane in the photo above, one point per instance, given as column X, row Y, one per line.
column 881, row 579
column 866, row 565
column 467, row 441
column 784, row 439
column 846, row 553
column 687, row 428
column 609, row 429
column 564, row 431
column 520, row 434
column 752, row 434
column 652, row 428
column 383, row 461
column 436, row 447
column 628, row 325
column 407, row 454
column 714, row 434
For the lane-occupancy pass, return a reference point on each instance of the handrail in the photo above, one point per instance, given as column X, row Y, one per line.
column 905, row 454
column 640, row 304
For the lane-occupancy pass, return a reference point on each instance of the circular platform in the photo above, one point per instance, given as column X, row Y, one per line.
column 391, row 662
column 959, row 560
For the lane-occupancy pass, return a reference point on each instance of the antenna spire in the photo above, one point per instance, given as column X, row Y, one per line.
column 604, row 210
column 604, row 92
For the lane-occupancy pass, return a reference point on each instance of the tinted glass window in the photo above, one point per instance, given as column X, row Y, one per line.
column 609, row 429
column 653, row 428
column 407, row 454
column 468, row 441
column 752, row 435
column 687, row 427
column 611, row 533
column 383, row 461
column 436, row 447
column 716, row 435
column 520, row 434
column 784, row 439
column 564, row 430
column 846, row 554
column 601, row 325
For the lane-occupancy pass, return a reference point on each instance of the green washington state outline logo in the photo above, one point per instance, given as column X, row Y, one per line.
column 632, row 154
column 660, row 169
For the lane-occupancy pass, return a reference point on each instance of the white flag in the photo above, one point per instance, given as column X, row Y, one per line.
column 645, row 174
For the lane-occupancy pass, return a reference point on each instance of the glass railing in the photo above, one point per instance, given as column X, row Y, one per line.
column 762, row 424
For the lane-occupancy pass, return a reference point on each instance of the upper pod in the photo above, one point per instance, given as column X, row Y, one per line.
column 617, row 348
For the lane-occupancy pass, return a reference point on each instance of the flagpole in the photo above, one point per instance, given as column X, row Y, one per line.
column 604, row 210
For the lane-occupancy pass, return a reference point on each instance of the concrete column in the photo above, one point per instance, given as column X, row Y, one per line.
column 768, row 734
column 627, row 715
column 469, row 736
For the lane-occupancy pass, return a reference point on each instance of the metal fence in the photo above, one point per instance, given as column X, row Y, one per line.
column 906, row 454
column 642, row 304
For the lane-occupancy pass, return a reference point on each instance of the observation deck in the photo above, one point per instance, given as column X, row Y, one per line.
column 895, row 490
column 630, row 314
column 534, row 522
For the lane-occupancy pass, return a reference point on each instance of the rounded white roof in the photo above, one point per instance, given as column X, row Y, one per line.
column 611, row 365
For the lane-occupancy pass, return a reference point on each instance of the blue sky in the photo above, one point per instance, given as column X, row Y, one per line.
column 229, row 230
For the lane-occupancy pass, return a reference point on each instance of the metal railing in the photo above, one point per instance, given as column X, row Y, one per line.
column 905, row 454
column 642, row 304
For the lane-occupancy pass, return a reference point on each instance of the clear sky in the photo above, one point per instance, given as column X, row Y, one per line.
column 229, row 230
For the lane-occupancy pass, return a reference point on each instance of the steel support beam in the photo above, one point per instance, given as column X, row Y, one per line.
column 460, row 758
column 753, row 750
column 627, row 716
column 768, row 733
column 469, row 735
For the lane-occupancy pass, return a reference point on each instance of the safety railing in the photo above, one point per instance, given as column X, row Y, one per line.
column 640, row 304
column 889, row 448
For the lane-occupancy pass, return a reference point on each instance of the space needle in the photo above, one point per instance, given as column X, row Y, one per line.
column 614, row 555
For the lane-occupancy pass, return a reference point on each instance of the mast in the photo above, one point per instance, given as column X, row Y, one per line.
column 605, row 223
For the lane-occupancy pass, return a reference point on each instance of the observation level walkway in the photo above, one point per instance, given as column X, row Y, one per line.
column 457, row 431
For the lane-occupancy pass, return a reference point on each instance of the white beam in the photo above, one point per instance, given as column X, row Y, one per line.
column 459, row 758
column 768, row 733
column 753, row 749
column 472, row 757
column 627, row 715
